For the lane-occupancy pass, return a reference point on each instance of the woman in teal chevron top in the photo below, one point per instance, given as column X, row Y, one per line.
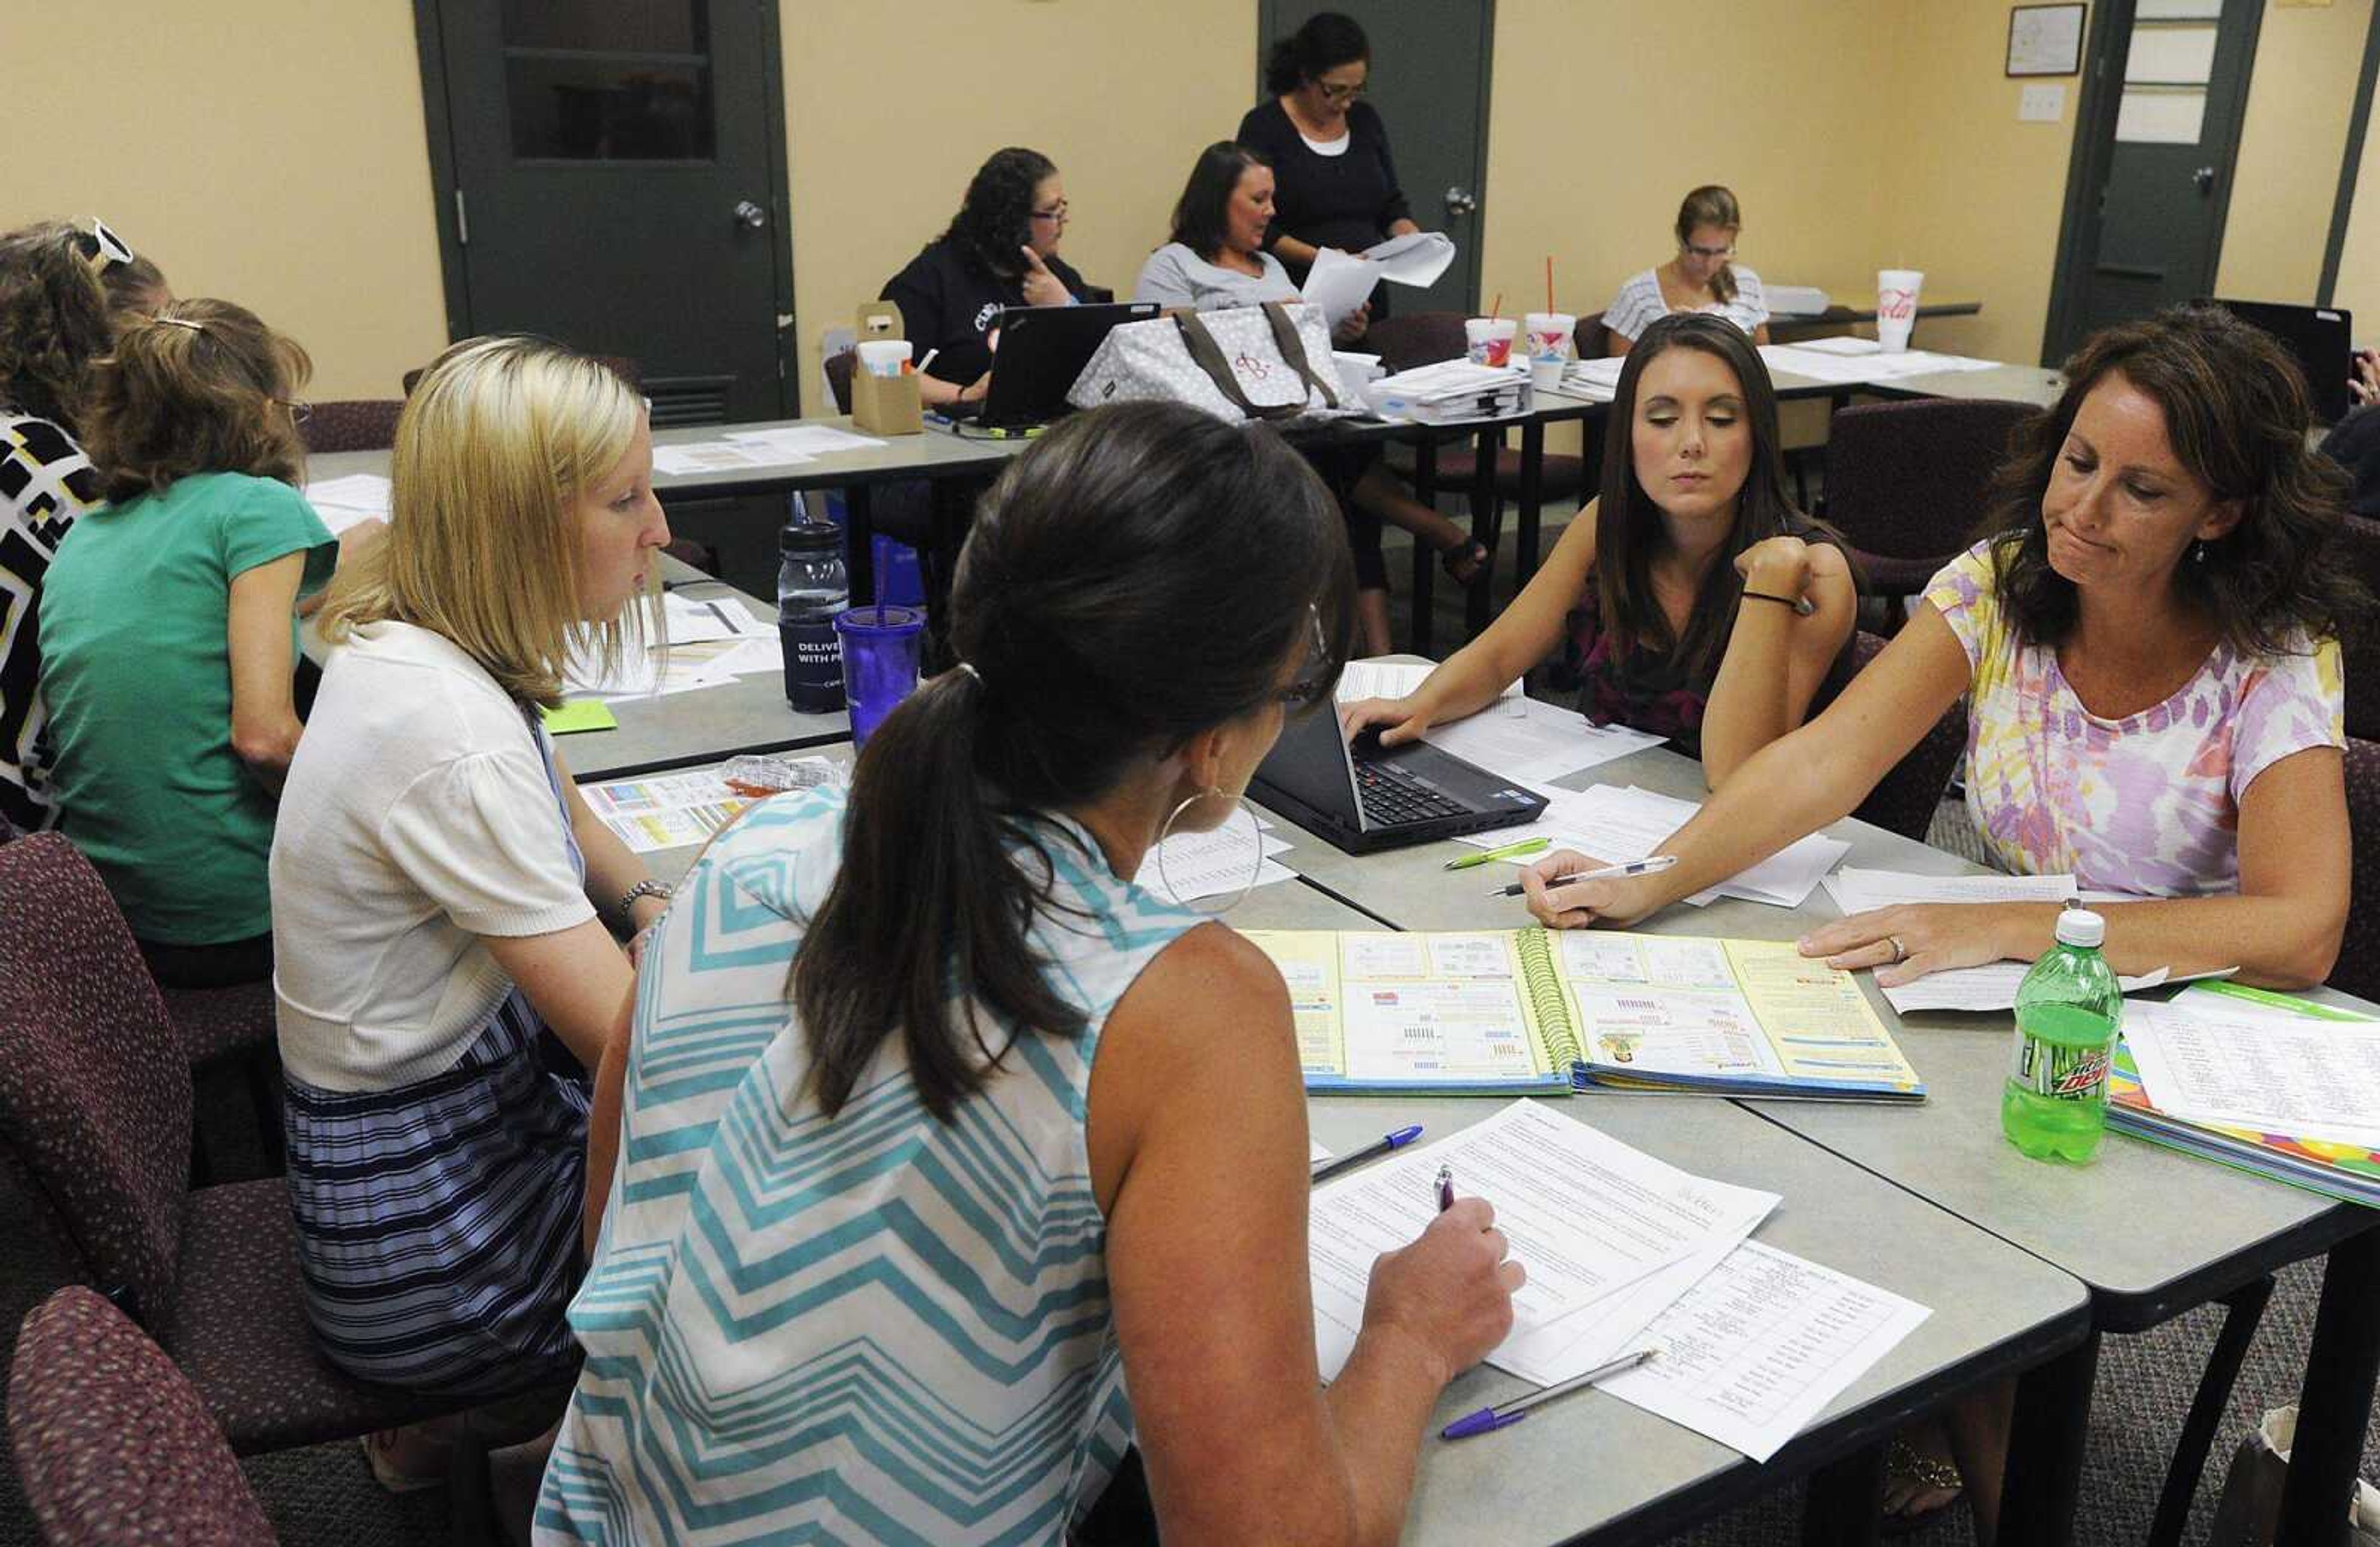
column 937, row 1133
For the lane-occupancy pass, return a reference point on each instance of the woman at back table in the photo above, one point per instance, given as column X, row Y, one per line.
column 1705, row 607
column 920, row 1129
column 1001, row 250
column 1336, row 184
column 1704, row 276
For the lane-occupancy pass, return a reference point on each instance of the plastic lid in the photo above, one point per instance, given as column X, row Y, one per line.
column 2080, row 926
column 810, row 534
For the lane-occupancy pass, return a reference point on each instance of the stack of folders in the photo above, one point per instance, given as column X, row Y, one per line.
column 1449, row 391
column 2275, row 1084
column 1549, row 1012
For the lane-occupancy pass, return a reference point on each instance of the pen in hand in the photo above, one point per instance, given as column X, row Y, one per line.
column 1445, row 1188
column 1654, row 866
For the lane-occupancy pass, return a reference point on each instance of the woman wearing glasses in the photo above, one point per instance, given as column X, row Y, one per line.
column 1335, row 184
column 1001, row 250
column 1704, row 276
column 168, row 644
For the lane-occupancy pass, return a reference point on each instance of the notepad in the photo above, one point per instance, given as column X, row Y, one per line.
column 1549, row 1012
column 580, row 714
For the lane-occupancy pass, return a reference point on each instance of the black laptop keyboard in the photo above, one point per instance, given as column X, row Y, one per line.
column 1392, row 797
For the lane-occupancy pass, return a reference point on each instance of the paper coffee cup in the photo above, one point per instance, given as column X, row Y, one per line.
column 1896, row 307
column 1488, row 340
column 1549, row 336
column 884, row 357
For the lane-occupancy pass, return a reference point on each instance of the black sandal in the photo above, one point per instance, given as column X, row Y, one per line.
column 1466, row 562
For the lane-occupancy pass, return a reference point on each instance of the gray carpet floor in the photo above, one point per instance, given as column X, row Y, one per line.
column 325, row 1497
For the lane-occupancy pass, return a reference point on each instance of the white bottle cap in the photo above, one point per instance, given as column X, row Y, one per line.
column 2080, row 926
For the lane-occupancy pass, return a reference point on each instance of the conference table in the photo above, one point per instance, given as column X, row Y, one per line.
column 1594, row 1469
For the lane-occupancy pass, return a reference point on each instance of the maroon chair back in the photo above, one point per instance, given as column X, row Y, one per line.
column 112, row 1443
column 2357, row 971
column 353, row 425
column 1594, row 338
column 94, row 1087
column 2359, row 542
column 1906, row 798
column 1414, row 338
column 839, row 367
column 1908, row 483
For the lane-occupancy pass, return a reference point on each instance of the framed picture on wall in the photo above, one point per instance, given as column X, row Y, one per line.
column 2045, row 40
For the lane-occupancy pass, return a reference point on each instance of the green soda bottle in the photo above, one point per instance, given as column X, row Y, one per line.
column 2054, row 1105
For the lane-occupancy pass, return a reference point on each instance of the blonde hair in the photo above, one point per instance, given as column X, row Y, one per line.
column 496, row 444
column 1712, row 206
column 195, row 389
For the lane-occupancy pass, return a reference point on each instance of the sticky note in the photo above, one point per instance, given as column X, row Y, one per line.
column 580, row 714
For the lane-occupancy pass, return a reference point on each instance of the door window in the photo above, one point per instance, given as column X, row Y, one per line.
column 609, row 79
column 2167, row 71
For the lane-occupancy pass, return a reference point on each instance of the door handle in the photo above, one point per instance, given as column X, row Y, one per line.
column 2205, row 179
column 1458, row 203
column 751, row 214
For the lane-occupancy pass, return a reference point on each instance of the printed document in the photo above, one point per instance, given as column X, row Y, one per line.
column 2210, row 1059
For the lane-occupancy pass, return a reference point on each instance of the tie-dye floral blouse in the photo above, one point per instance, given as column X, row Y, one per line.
column 2148, row 804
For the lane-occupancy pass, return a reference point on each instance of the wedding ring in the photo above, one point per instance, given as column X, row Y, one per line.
column 1899, row 952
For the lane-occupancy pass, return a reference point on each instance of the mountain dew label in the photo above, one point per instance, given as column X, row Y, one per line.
column 2061, row 1052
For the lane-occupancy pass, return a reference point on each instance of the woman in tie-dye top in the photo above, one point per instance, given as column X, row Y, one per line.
column 2147, row 646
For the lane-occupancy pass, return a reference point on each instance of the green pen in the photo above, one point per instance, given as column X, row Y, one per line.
column 1510, row 851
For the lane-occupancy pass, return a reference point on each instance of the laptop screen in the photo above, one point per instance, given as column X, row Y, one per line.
column 1310, row 762
column 2320, row 339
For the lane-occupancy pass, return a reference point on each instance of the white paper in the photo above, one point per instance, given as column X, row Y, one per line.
column 1314, row 1152
column 1753, row 1353
column 1846, row 367
column 343, row 502
column 641, row 674
column 706, row 457
column 1615, row 824
column 763, row 654
column 1585, row 1214
column 1596, row 381
column 1210, row 864
column 1377, row 678
column 1339, row 284
column 1417, row 258
column 799, row 443
column 2207, row 1058
column 1541, row 741
column 698, row 619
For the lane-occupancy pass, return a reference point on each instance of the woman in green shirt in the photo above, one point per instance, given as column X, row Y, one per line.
column 168, row 635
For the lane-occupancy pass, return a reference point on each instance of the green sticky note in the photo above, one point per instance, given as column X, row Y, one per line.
column 580, row 714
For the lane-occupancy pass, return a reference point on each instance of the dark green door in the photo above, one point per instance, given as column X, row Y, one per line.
column 617, row 183
column 1430, row 81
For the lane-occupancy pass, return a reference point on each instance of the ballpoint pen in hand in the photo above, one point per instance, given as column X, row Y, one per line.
column 1510, row 851
column 1445, row 1188
column 1330, row 1166
column 1505, row 1414
column 1654, row 866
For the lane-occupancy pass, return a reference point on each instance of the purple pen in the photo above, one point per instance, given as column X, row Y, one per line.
column 1445, row 1188
column 1504, row 1415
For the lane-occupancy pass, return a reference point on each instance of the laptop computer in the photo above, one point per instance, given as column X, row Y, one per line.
column 2322, row 340
column 1362, row 797
column 1041, row 350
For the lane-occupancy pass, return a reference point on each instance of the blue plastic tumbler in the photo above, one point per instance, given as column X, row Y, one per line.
column 879, row 662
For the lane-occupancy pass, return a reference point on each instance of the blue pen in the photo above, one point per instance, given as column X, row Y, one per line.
column 1512, row 1412
column 1330, row 1166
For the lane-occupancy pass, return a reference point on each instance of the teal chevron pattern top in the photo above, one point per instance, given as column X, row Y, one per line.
column 874, row 1327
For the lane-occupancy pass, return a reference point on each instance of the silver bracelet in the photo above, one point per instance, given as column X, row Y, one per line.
column 647, row 887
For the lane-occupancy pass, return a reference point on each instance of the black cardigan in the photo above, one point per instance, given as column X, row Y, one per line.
column 1348, row 200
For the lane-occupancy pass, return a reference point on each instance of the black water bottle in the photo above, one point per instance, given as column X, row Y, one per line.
column 811, row 588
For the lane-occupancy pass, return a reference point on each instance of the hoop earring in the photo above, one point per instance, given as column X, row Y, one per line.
column 1208, row 867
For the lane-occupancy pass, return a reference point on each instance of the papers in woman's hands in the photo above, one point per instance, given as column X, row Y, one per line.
column 1339, row 284
column 1616, row 824
column 1993, row 985
column 2231, row 1063
column 1585, row 1214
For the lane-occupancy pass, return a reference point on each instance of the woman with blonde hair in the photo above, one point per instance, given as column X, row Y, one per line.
column 169, row 639
column 1704, row 276
column 439, row 890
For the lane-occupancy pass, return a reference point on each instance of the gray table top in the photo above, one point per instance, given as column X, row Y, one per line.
column 2022, row 383
column 2184, row 1221
column 1593, row 1461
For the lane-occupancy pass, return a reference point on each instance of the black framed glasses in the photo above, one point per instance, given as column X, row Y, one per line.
column 1333, row 91
column 299, row 411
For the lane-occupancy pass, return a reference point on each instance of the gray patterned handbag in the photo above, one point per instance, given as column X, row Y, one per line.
column 1270, row 361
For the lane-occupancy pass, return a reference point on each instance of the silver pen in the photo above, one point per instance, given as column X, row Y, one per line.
column 1654, row 866
column 1503, row 1413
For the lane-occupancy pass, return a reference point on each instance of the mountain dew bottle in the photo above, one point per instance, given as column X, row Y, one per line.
column 2054, row 1105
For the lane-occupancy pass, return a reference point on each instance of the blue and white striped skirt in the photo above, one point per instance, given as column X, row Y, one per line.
column 438, row 1222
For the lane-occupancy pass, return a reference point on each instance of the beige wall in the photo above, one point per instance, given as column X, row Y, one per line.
column 1119, row 93
column 268, row 151
column 2300, row 98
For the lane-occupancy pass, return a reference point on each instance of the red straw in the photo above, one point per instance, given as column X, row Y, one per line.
column 1549, row 282
column 1496, row 310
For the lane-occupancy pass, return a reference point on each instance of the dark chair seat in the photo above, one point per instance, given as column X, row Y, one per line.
column 214, row 1025
column 1906, row 798
column 1560, row 477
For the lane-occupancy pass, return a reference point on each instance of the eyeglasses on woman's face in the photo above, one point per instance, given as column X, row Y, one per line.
column 1711, row 254
column 1054, row 216
column 1342, row 91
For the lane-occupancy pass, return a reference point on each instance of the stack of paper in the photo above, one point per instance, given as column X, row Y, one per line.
column 1615, row 824
column 343, row 502
column 800, row 442
column 689, row 458
column 1993, row 985
column 1623, row 1252
column 1596, row 381
column 1449, row 391
column 1339, row 282
column 1850, row 361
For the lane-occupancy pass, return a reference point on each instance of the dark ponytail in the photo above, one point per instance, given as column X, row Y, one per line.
column 1327, row 40
column 1142, row 574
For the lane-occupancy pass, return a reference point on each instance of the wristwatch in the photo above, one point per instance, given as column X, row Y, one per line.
column 647, row 887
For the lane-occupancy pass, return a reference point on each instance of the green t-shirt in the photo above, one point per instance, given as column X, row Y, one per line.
column 136, row 670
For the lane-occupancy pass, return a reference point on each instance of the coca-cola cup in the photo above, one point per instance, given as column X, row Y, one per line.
column 1896, row 307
